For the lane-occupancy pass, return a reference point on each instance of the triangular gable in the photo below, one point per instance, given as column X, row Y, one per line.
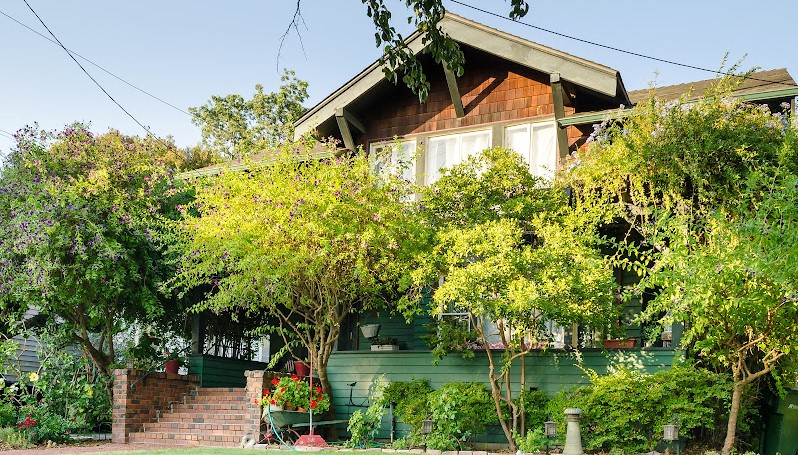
column 581, row 72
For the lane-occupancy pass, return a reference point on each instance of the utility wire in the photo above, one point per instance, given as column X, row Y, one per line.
column 6, row 133
column 84, row 70
column 624, row 51
column 99, row 67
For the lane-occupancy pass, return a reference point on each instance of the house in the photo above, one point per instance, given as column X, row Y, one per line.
column 514, row 93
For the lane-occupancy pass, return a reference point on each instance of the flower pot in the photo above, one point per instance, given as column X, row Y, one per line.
column 620, row 344
column 370, row 330
column 171, row 366
column 302, row 368
column 384, row 347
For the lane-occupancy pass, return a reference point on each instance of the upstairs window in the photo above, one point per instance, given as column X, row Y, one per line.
column 447, row 151
column 537, row 143
column 394, row 158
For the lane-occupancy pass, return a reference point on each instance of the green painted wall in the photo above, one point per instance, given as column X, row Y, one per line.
column 549, row 371
column 216, row 371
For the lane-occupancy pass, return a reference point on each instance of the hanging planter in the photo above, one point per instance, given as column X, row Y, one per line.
column 370, row 330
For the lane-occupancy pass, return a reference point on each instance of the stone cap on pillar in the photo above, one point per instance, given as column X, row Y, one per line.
column 575, row 412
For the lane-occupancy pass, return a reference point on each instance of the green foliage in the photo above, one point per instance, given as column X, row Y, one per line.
column 303, row 241
column 535, row 403
column 81, row 213
column 445, row 337
column 534, row 440
column 410, row 401
column 459, row 410
column 513, row 252
column 14, row 438
column 364, row 426
column 236, row 127
column 627, row 410
column 295, row 391
column 709, row 186
column 8, row 413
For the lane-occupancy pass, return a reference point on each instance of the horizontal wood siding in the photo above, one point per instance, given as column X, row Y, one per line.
column 216, row 371
column 396, row 327
column 549, row 371
column 26, row 359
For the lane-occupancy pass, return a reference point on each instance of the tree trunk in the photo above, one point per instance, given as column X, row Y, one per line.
column 327, row 388
column 734, row 413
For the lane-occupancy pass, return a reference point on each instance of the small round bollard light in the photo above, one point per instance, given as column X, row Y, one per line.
column 550, row 428
column 671, row 432
column 426, row 426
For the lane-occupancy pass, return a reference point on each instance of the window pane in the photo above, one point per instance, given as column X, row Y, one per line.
column 442, row 152
column 543, row 156
column 404, row 159
column 473, row 143
column 517, row 138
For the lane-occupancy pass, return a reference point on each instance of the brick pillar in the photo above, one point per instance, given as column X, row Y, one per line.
column 257, row 382
column 138, row 401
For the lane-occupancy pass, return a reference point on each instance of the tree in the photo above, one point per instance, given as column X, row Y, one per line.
column 80, row 213
column 709, row 185
column 512, row 253
column 304, row 240
column 236, row 127
column 398, row 59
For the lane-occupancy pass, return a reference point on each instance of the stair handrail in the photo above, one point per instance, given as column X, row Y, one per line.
column 152, row 368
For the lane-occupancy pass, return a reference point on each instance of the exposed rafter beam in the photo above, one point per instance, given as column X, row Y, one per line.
column 454, row 92
column 559, row 113
column 344, row 118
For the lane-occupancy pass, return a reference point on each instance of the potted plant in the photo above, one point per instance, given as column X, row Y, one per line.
column 384, row 344
column 617, row 343
column 302, row 368
column 291, row 392
column 172, row 362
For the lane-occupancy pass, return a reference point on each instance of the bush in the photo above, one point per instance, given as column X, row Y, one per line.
column 626, row 410
column 8, row 413
column 14, row 438
column 459, row 410
column 535, row 408
column 410, row 403
column 534, row 441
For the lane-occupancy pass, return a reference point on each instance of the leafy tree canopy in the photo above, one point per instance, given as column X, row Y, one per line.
column 236, row 127
column 80, row 213
column 709, row 184
column 305, row 240
column 513, row 253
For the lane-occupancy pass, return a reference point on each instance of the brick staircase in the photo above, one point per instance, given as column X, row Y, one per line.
column 209, row 416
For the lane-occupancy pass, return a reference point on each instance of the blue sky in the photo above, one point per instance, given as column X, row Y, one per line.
column 186, row 51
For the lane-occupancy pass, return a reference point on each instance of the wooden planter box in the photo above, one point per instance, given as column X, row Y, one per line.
column 620, row 344
column 384, row 347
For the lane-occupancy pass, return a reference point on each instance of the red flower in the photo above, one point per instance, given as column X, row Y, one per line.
column 318, row 389
column 282, row 389
column 295, row 378
column 265, row 393
column 313, row 404
column 273, row 402
column 275, row 381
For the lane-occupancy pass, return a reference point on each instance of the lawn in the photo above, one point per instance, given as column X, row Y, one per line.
column 216, row 451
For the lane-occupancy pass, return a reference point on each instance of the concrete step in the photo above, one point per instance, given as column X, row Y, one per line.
column 185, row 439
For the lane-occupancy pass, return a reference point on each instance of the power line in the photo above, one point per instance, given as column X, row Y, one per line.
column 98, row 66
column 6, row 133
column 616, row 49
column 84, row 70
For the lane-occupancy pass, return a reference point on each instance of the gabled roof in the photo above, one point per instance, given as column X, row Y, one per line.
column 758, row 82
column 581, row 72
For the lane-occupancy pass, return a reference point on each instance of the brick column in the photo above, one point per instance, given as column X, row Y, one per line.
column 257, row 382
column 142, row 402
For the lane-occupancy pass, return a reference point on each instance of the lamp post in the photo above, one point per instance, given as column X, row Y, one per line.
column 426, row 428
column 671, row 433
column 550, row 430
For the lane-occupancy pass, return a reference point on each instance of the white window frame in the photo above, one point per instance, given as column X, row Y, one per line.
column 547, row 170
column 377, row 157
column 432, row 171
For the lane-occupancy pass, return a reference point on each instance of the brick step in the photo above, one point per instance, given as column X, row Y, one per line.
column 185, row 439
column 195, row 428
column 231, row 408
column 219, row 390
column 196, row 417
column 215, row 399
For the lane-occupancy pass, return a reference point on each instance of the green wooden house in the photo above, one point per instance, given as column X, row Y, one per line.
column 514, row 93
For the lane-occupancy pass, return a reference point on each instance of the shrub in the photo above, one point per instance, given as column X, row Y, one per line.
column 535, row 408
column 410, row 402
column 14, row 438
column 459, row 410
column 626, row 410
column 534, row 441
